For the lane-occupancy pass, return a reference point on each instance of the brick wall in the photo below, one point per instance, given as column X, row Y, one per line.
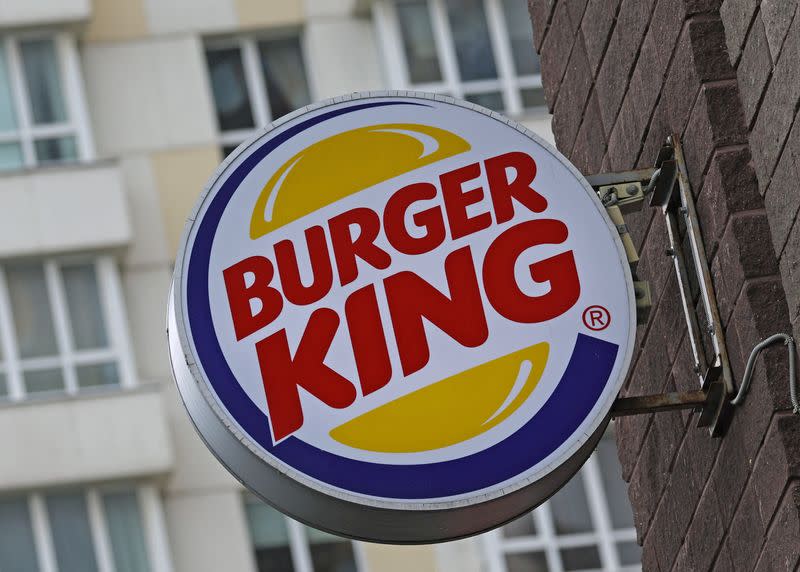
column 619, row 76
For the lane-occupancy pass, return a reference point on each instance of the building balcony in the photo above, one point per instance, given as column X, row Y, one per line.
column 34, row 12
column 106, row 435
column 62, row 209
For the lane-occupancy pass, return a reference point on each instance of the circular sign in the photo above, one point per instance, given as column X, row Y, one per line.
column 377, row 317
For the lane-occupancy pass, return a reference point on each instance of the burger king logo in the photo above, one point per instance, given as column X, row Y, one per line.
column 400, row 317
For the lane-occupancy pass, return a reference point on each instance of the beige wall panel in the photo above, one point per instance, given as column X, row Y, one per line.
column 57, row 210
column 269, row 13
column 149, row 244
column 116, row 20
column 148, row 95
column 459, row 556
column 120, row 435
column 208, row 533
column 342, row 56
column 167, row 17
column 146, row 289
column 541, row 124
column 317, row 8
column 31, row 12
column 180, row 177
column 196, row 468
column 385, row 558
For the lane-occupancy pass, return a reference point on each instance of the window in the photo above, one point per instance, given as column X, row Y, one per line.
column 284, row 545
column 42, row 114
column 587, row 525
column 61, row 327
column 254, row 81
column 119, row 530
column 478, row 50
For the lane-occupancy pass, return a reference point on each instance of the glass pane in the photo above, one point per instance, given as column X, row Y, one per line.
column 492, row 100
column 285, row 75
column 125, row 531
column 230, row 89
column 267, row 525
column 228, row 149
column 3, row 385
column 84, row 304
column 98, row 374
column 523, row 526
column 43, row 81
column 520, row 33
column 619, row 506
column 17, row 547
column 533, row 97
column 581, row 558
column 10, row 156
column 419, row 44
column 471, row 38
column 56, row 150
column 30, row 305
column 527, row 562
column 69, row 528
column 8, row 118
column 333, row 555
column 630, row 553
column 42, row 380
column 270, row 537
column 570, row 509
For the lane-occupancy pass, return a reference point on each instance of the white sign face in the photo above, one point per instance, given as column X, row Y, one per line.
column 405, row 303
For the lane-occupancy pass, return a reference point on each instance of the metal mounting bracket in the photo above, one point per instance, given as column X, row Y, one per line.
column 667, row 185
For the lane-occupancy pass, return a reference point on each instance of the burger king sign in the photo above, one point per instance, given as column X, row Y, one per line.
column 400, row 317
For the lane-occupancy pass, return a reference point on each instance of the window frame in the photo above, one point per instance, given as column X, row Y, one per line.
column 151, row 512
column 254, row 79
column 74, row 100
column 112, row 306
column 507, row 83
column 299, row 546
column 604, row 536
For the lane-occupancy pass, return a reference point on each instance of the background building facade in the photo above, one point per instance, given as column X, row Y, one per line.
column 113, row 114
column 723, row 76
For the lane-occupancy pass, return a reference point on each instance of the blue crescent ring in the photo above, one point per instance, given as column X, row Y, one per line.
column 587, row 374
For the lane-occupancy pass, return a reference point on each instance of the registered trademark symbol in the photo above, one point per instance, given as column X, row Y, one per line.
column 596, row 318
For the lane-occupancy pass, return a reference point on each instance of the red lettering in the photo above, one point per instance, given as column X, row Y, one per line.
column 240, row 295
column 282, row 374
column 460, row 316
column 501, row 286
column 368, row 339
column 286, row 260
column 394, row 223
column 503, row 190
column 346, row 249
column 456, row 201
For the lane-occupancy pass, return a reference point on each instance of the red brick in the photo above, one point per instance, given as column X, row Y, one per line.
column 612, row 79
column 746, row 533
column 754, row 69
column 776, row 114
column 782, row 197
column 572, row 97
column 777, row 15
column 598, row 19
column 782, row 550
column 541, row 11
column 555, row 51
column 730, row 186
column 790, row 271
column 778, row 462
column 737, row 15
column 590, row 145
